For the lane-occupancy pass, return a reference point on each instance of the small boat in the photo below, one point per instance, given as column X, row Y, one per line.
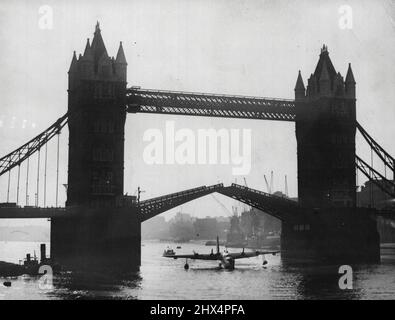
column 32, row 266
column 178, row 247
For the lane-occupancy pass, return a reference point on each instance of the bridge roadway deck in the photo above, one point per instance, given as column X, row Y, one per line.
column 52, row 212
column 31, row 212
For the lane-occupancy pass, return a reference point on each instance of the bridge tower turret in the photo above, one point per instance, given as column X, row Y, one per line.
column 300, row 90
column 120, row 63
column 325, row 133
column 97, row 85
column 350, row 83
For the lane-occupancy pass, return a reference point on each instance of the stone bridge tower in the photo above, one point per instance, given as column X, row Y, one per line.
column 331, row 227
column 101, row 228
column 97, row 85
column 325, row 133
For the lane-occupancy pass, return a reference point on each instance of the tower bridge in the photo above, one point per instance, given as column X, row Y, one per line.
column 100, row 225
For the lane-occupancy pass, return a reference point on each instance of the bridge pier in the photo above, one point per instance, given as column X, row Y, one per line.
column 97, row 239
column 338, row 235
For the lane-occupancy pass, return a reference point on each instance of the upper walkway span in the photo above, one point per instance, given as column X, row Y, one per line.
column 209, row 105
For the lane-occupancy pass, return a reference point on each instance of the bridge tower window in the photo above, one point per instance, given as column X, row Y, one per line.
column 103, row 154
column 102, row 181
column 104, row 90
column 104, row 126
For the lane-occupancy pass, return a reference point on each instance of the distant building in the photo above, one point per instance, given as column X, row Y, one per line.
column 181, row 227
column 251, row 222
column 206, row 228
column 155, row 228
column 235, row 235
column 184, row 227
column 254, row 228
column 223, row 226
column 185, row 217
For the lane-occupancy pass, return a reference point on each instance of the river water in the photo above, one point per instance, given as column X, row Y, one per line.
column 161, row 278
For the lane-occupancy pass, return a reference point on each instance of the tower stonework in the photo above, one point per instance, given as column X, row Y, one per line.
column 325, row 133
column 97, row 114
column 331, row 226
column 102, row 227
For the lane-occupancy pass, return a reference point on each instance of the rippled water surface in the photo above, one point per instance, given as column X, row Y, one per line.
column 161, row 278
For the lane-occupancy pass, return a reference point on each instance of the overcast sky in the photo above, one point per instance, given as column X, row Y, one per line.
column 231, row 47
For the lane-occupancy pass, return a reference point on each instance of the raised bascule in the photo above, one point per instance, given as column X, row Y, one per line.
column 101, row 226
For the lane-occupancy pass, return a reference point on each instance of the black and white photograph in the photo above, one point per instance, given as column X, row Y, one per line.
column 210, row 151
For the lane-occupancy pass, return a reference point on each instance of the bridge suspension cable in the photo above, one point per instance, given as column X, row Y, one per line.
column 45, row 174
column 38, row 177
column 8, row 188
column 387, row 159
column 27, row 181
column 23, row 153
column 57, row 171
column 17, row 186
column 376, row 177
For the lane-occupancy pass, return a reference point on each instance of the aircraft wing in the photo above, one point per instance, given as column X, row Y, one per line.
column 194, row 256
column 241, row 255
